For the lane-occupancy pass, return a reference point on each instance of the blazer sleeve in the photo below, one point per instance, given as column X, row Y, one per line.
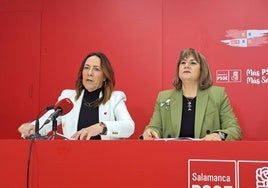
column 229, row 122
column 156, row 122
column 120, row 124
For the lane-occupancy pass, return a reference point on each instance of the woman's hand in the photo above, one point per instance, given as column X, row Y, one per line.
column 88, row 132
column 150, row 134
column 26, row 129
column 212, row 137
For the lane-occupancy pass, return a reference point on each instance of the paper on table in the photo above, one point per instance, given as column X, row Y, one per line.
column 180, row 138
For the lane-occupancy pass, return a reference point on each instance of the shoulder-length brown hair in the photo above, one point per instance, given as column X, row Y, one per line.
column 205, row 79
column 108, row 72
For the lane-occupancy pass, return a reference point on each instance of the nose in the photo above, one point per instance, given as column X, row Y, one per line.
column 90, row 71
column 187, row 64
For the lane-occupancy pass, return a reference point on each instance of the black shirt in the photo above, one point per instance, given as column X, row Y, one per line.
column 188, row 117
column 89, row 115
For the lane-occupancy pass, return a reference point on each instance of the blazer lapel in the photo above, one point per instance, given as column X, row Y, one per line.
column 77, row 107
column 176, row 111
column 71, row 120
column 104, row 112
column 201, row 105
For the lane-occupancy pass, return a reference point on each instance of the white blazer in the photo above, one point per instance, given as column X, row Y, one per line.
column 114, row 114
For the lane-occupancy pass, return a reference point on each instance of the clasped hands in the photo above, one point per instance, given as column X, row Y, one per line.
column 150, row 134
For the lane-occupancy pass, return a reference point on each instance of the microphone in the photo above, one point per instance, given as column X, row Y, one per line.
column 47, row 108
column 61, row 108
column 37, row 135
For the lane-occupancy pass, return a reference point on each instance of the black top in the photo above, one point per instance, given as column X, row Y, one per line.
column 188, row 117
column 89, row 115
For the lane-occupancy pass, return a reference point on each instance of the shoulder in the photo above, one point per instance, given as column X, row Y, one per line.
column 165, row 94
column 67, row 93
column 216, row 90
column 118, row 95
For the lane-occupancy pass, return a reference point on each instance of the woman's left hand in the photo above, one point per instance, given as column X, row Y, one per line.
column 88, row 132
column 212, row 137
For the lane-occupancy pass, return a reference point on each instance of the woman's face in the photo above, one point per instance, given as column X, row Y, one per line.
column 189, row 69
column 93, row 76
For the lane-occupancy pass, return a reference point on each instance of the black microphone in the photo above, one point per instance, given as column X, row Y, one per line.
column 37, row 135
column 61, row 108
column 38, row 116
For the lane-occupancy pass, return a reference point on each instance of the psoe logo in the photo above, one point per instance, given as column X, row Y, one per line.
column 252, row 174
column 223, row 76
column 245, row 38
column 262, row 177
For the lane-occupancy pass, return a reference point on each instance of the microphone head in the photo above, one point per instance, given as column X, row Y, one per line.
column 65, row 105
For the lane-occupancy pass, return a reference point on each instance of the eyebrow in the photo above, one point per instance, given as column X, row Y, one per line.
column 192, row 59
column 87, row 65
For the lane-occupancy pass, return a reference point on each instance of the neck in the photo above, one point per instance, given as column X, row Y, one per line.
column 189, row 91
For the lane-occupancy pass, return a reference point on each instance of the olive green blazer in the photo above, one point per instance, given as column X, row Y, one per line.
column 213, row 113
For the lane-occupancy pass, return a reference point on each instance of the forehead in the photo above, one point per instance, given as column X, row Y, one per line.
column 93, row 60
column 189, row 57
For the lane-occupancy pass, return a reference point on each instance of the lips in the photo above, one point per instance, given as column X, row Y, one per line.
column 186, row 71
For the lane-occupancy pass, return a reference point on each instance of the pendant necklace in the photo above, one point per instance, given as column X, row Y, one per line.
column 90, row 104
column 189, row 103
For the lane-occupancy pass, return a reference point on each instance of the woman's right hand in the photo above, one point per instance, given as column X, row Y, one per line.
column 26, row 129
column 150, row 134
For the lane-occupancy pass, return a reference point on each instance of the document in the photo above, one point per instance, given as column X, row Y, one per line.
column 179, row 138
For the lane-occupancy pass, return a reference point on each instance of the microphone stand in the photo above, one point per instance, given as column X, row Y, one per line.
column 54, row 131
column 37, row 135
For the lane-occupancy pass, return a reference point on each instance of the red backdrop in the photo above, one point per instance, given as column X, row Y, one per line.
column 43, row 43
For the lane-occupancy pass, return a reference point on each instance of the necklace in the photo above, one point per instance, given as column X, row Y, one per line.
column 90, row 104
column 189, row 103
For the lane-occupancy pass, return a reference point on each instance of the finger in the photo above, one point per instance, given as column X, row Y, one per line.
column 83, row 135
column 145, row 136
column 20, row 129
column 152, row 134
column 215, row 137
column 149, row 135
column 155, row 135
column 75, row 136
column 88, row 137
column 31, row 131
column 206, row 138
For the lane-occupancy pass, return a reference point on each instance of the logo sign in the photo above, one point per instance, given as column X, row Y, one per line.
column 223, row 76
column 211, row 173
column 253, row 174
column 245, row 38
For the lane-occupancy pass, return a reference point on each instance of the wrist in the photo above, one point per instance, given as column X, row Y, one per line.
column 104, row 128
column 222, row 135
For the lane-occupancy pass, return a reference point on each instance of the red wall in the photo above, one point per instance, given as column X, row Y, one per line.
column 43, row 43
